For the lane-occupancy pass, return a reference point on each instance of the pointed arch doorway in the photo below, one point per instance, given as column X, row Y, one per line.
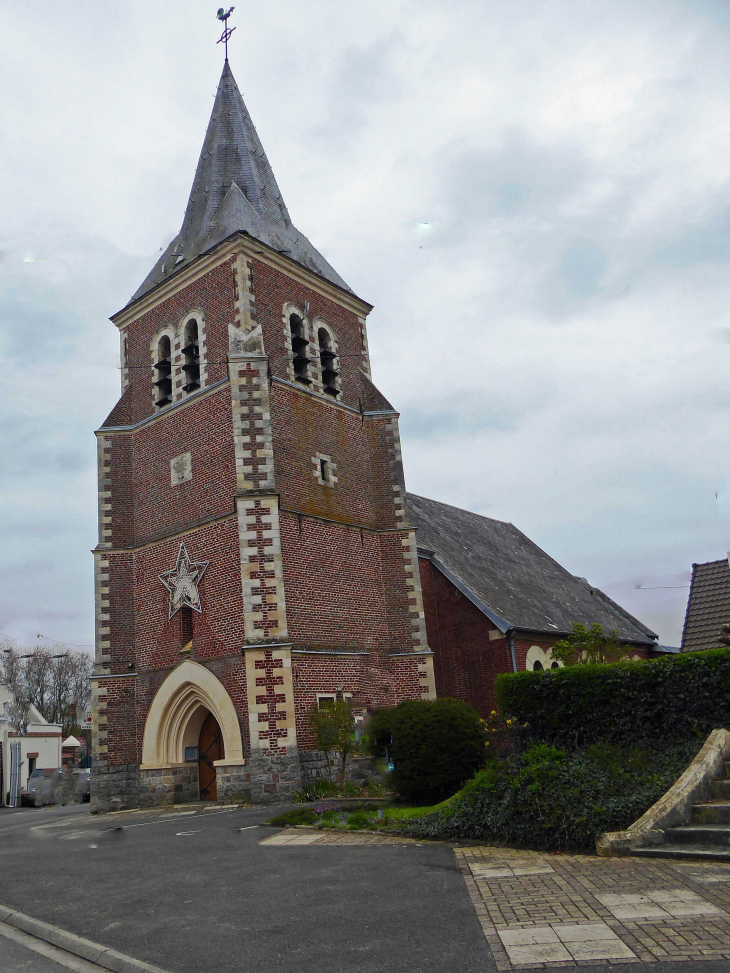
column 192, row 709
column 210, row 749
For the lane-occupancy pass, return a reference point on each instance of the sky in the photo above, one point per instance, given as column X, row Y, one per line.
column 535, row 196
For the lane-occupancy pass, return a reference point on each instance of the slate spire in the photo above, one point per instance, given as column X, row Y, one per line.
column 234, row 190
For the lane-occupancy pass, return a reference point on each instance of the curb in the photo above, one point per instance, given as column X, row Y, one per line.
column 103, row 956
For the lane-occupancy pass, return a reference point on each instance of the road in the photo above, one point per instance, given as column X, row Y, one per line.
column 194, row 891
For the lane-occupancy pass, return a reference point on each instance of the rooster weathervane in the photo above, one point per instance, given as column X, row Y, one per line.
column 223, row 16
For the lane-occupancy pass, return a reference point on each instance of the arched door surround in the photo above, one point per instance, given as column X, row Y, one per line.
column 177, row 714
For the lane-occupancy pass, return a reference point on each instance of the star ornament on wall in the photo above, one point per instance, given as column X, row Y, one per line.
column 183, row 582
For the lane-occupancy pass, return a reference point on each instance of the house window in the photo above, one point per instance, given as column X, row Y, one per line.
column 31, row 765
column 191, row 357
column 327, row 700
column 328, row 363
column 299, row 347
column 163, row 369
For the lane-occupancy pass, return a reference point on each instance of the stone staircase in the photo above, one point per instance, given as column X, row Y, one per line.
column 707, row 836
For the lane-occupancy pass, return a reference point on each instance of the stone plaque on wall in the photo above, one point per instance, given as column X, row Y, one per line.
column 181, row 469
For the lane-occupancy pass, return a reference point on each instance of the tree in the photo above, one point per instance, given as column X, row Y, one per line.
column 57, row 682
column 334, row 727
column 589, row 645
column 11, row 675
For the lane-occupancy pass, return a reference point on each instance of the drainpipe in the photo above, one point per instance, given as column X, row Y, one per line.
column 511, row 644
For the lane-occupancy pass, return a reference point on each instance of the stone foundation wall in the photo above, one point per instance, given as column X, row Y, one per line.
column 264, row 779
column 273, row 777
column 126, row 786
column 234, row 784
column 315, row 766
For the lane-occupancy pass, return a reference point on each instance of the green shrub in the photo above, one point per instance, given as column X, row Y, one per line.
column 675, row 698
column 550, row 799
column 289, row 819
column 435, row 745
column 315, row 790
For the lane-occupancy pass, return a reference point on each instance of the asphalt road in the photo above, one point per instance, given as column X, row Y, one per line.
column 214, row 899
column 192, row 893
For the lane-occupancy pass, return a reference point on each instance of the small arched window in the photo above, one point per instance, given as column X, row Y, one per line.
column 163, row 367
column 328, row 363
column 191, row 357
column 536, row 665
column 299, row 347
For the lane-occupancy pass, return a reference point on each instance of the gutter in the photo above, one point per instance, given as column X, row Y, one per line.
column 511, row 644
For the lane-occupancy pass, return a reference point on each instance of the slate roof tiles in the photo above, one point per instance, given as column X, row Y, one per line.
column 234, row 191
column 513, row 577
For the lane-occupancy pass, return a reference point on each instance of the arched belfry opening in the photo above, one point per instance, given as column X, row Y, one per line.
column 192, row 722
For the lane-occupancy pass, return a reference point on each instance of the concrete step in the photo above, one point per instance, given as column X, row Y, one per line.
column 699, row 834
column 721, row 789
column 710, row 853
column 712, row 812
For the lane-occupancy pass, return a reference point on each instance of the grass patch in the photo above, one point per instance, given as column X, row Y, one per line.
column 353, row 819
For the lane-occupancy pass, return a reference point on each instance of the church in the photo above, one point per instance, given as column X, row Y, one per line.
column 258, row 554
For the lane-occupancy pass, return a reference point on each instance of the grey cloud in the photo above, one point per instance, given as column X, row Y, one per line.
column 470, row 412
column 519, row 178
column 362, row 77
column 581, row 265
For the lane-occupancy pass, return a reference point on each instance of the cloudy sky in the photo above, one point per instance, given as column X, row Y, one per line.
column 557, row 337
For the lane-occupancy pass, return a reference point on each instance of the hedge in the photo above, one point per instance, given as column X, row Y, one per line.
column 674, row 698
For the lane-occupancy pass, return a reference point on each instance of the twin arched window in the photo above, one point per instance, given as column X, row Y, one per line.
column 163, row 364
column 326, row 352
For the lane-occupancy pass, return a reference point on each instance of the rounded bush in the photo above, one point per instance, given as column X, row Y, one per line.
column 435, row 746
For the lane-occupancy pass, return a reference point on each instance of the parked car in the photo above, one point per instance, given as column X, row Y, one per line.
column 42, row 787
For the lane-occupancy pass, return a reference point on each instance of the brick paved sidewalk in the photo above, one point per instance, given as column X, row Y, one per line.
column 541, row 910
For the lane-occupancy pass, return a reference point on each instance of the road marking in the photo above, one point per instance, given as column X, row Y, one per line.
column 250, row 826
column 181, row 833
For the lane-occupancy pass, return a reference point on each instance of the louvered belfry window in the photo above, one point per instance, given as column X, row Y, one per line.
column 191, row 357
column 299, row 347
column 163, row 370
column 328, row 363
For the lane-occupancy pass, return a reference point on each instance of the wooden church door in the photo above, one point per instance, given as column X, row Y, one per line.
column 210, row 748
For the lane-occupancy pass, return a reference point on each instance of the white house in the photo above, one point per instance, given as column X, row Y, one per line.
column 40, row 746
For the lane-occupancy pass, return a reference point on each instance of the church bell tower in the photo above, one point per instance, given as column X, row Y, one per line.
column 255, row 559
